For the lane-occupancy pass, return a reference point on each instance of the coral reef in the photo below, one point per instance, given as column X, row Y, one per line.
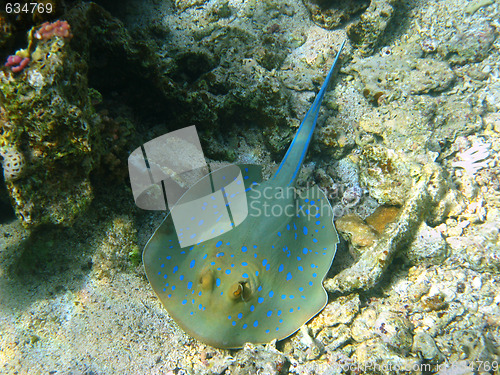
column 329, row 14
column 366, row 33
column 55, row 130
column 12, row 163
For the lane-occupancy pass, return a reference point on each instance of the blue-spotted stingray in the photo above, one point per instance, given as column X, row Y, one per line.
column 262, row 279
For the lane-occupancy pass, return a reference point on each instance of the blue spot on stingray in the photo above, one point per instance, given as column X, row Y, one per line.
column 279, row 234
column 291, row 310
column 184, row 302
column 229, row 317
column 271, row 294
column 283, row 296
column 255, row 255
column 264, row 261
column 300, row 268
column 305, row 250
column 190, row 284
column 229, row 243
column 244, row 264
column 181, row 277
column 318, row 222
column 269, row 313
column 164, row 289
column 169, row 257
column 217, row 281
column 245, row 326
column 245, row 275
column 315, row 240
column 256, row 273
column 301, row 289
column 212, row 263
column 244, row 249
column 169, row 296
column 218, row 244
column 173, row 287
column 280, row 268
column 305, row 230
column 310, row 283
column 252, row 308
column 218, row 255
column 191, row 265
column 313, row 265
column 233, row 323
column 288, row 226
column 299, row 259
column 240, row 315
column 278, row 313
column 175, row 269
column 267, row 331
column 256, row 323
column 200, row 306
column 228, row 272
column 314, row 274
column 268, row 267
column 192, row 236
column 281, row 320
column 292, row 296
column 298, row 307
column 260, row 300
column 200, row 222
column 162, row 266
column 289, row 276
column 165, row 276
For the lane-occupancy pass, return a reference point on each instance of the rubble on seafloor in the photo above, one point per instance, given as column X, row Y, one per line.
column 406, row 150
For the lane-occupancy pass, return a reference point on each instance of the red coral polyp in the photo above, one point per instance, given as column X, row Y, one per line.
column 17, row 63
column 50, row 29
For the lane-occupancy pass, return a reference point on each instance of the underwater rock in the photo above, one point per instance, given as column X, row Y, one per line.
column 381, row 359
column 355, row 230
column 394, row 330
column 385, row 173
column 429, row 247
column 54, row 125
column 363, row 324
column 365, row 33
column 257, row 359
column 382, row 217
column 329, row 14
column 424, row 344
column 469, row 45
column 334, row 337
column 340, row 311
column 388, row 77
column 335, row 138
column 428, row 189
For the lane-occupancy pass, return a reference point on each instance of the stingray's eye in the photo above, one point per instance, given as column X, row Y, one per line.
column 206, row 279
column 240, row 290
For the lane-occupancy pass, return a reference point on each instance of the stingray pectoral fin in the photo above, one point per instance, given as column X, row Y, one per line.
column 307, row 246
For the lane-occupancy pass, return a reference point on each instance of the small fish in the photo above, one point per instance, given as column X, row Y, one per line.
column 262, row 279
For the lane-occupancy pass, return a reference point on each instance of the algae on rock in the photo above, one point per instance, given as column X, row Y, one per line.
column 54, row 126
